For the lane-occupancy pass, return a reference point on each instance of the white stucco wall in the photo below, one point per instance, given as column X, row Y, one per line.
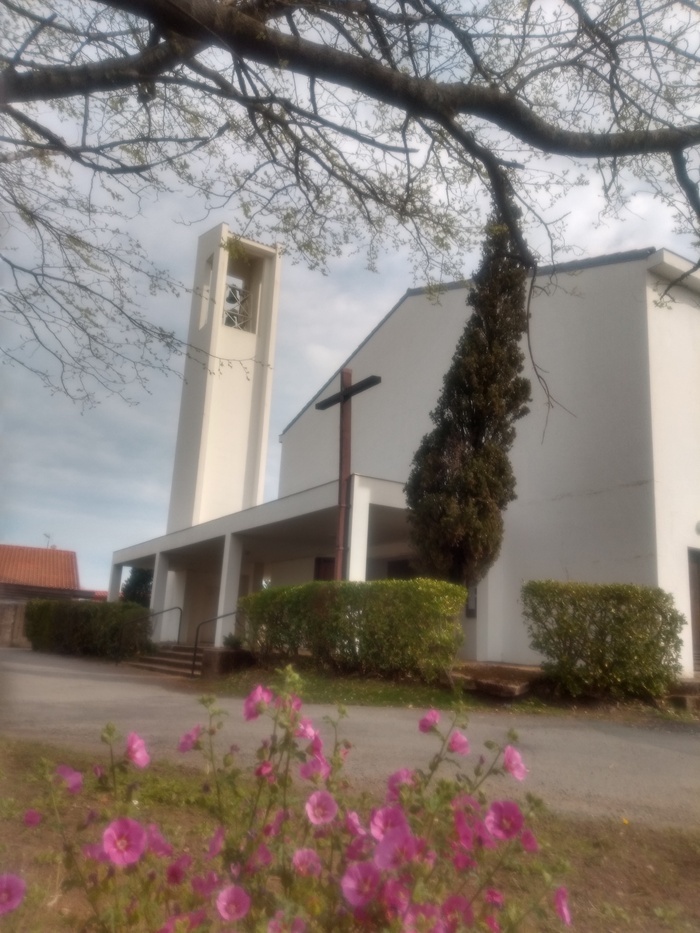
column 674, row 353
column 585, row 508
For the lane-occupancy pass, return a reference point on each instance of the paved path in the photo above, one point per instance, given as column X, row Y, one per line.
column 581, row 766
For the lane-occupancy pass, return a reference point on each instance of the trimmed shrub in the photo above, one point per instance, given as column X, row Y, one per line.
column 384, row 627
column 615, row 640
column 105, row 630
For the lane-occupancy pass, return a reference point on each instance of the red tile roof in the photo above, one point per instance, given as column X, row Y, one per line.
column 39, row 566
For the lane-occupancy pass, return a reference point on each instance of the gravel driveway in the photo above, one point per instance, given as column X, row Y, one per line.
column 579, row 766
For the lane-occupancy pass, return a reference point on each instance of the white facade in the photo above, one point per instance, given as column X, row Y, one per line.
column 608, row 472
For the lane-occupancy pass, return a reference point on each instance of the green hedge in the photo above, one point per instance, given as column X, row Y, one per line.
column 615, row 640
column 384, row 627
column 105, row 630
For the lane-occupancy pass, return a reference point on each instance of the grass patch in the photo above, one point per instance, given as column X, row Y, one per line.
column 347, row 690
column 355, row 690
column 622, row 877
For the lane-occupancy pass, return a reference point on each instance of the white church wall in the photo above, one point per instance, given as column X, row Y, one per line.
column 585, row 509
column 674, row 348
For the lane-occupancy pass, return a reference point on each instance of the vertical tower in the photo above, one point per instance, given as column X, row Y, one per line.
column 225, row 407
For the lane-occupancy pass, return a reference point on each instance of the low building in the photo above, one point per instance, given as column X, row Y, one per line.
column 33, row 573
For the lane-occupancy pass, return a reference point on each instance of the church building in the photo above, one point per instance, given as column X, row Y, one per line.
column 607, row 462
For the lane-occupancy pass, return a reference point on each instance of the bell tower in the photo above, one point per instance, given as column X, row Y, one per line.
column 225, row 407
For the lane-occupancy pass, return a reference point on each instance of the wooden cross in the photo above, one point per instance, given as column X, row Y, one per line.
column 342, row 398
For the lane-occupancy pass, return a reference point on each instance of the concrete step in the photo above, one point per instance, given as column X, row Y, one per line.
column 171, row 659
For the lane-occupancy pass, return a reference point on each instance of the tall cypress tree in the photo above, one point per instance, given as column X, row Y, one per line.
column 137, row 586
column 462, row 479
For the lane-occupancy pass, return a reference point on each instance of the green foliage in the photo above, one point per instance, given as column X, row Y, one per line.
column 461, row 479
column 384, row 627
column 137, row 587
column 106, row 630
column 616, row 640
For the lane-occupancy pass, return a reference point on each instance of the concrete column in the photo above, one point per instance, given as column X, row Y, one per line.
column 115, row 583
column 489, row 617
column 174, row 625
column 158, row 592
column 359, row 530
column 228, row 589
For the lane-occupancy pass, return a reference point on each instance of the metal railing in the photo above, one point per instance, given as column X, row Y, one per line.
column 146, row 615
column 224, row 615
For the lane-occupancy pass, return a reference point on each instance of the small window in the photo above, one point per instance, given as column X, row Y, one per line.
column 237, row 305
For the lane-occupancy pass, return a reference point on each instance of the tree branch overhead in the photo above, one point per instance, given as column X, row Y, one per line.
column 320, row 121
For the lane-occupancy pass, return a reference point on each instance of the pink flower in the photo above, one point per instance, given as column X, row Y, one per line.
column 307, row 862
column 216, row 843
column 359, row 849
column 315, row 767
column 321, row 808
column 458, row 744
column 12, row 889
column 136, row 750
column 504, row 819
column 124, row 841
column 397, row 847
column 396, row 897
column 205, row 885
column 513, row 763
column 464, row 830
column 528, row 841
column 194, row 919
column 278, row 924
column 261, row 858
column 353, row 824
column 401, row 778
column 457, row 912
column 420, row 917
column 385, row 819
column 360, row 884
column 305, row 730
column 494, row 897
column 561, row 905
column 272, row 829
column 256, row 701
column 72, row 779
column 178, row 869
column 190, row 739
column 156, row 843
column 95, row 852
column 429, row 722
column 493, row 924
column 32, row 818
column 233, row 903
column 265, row 770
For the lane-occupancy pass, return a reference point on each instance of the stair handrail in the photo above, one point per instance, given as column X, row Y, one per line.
column 224, row 615
column 150, row 616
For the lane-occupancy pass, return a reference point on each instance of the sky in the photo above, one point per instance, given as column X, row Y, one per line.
column 98, row 480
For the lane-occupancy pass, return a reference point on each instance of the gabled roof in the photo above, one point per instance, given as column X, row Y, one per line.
column 39, row 567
